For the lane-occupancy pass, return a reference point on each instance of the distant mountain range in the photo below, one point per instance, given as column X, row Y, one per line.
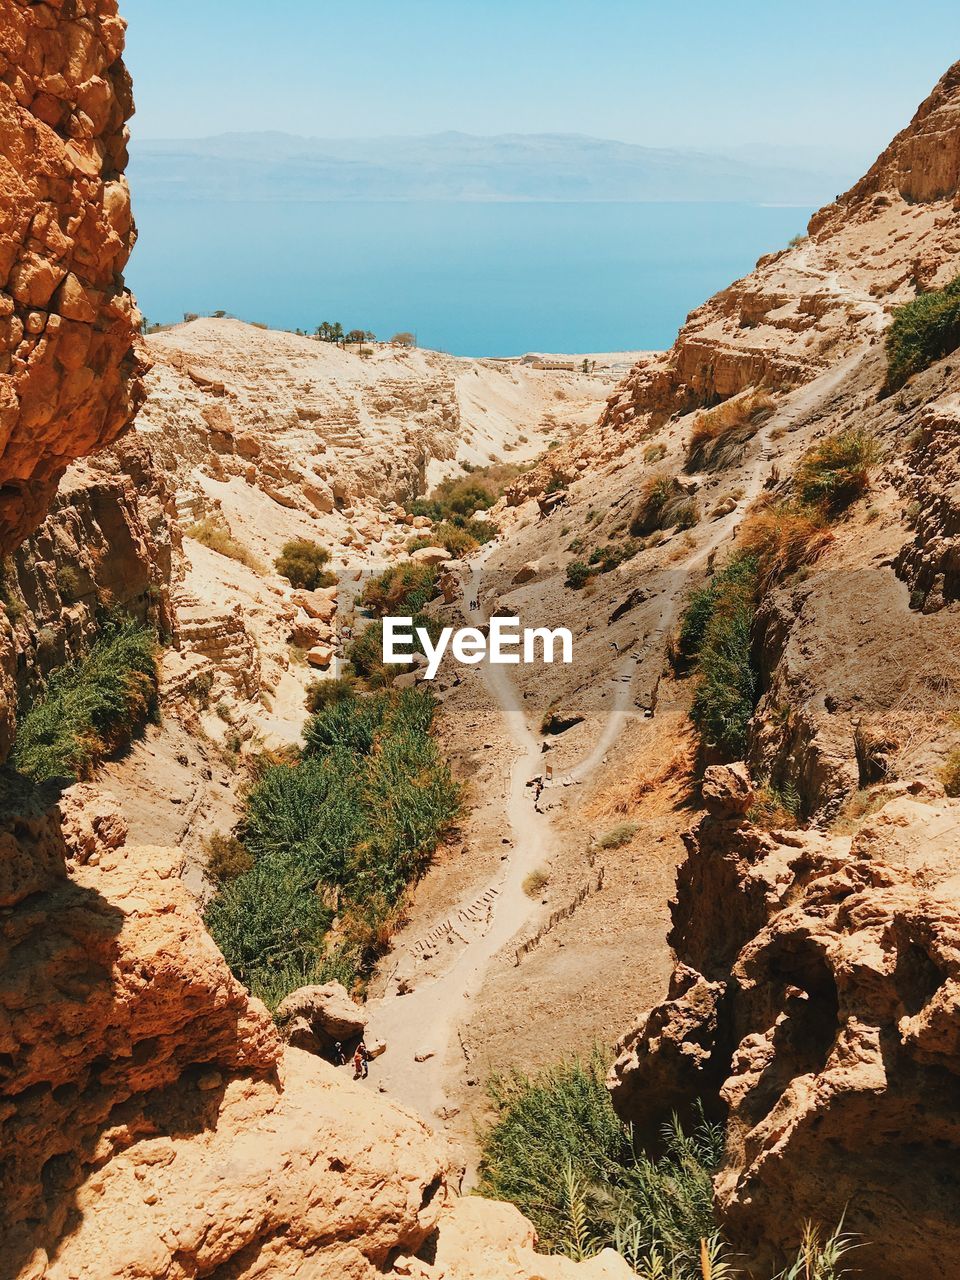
column 459, row 166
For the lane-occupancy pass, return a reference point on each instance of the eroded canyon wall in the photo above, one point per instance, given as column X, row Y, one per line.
column 68, row 360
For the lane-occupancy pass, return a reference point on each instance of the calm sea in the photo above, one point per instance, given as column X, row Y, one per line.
column 471, row 279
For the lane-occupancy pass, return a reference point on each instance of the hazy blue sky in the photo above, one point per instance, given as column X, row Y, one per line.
column 684, row 72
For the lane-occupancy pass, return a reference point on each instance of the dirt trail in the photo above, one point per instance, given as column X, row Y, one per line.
column 418, row 1027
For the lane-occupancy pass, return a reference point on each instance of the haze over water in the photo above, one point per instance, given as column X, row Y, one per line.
column 477, row 279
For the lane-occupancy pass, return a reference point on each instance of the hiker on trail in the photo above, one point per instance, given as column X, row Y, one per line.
column 339, row 1058
column 360, row 1060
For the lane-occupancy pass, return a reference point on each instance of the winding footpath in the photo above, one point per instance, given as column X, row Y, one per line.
column 418, row 1027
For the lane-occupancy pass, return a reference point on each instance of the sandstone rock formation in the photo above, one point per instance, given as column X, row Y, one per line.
column 69, row 370
column 483, row 1240
column 109, row 542
column 316, row 1018
column 816, row 1000
column 147, row 1107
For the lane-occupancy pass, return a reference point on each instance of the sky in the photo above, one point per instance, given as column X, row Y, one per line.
column 691, row 73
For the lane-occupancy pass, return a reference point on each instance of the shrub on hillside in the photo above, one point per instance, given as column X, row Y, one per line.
column 303, row 564
column 837, row 470
column 720, row 435
column 402, row 589
column 716, row 630
column 92, row 706
column 950, row 774
column 922, row 331
column 578, row 574
column 663, row 504
column 217, row 536
column 323, row 693
column 739, row 574
column 457, row 496
column 618, row 836
column 783, row 537
column 225, row 858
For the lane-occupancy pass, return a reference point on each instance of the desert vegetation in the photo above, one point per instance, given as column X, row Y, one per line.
column 216, row 535
column 458, row 536
column 601, row 560
column 304, row 564
column 836, row 471
column 715, row 633
column 405, row 586
column 720, row 435
column 777, row 539
column 312, row 882
column 950, row 774
column 91, row 707
column 922, row 331
column 663, row 504
column 557, row 1149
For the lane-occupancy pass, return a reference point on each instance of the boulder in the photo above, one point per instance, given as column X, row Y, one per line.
column 311, row 634
column 320, row 604
column 526, row 572
column 430, row 555
column 727, row 790
column 315, row 1018
column 320, row 655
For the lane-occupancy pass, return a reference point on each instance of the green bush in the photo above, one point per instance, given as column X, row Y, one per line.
column 345, row 828
column 922, row 331
column 303, row 564
column 612, row 555
column 559, row 1152
column 365, row 651
column 403, row 588
column 716, row 630
column 92, row 706
column 836, row 471
column 323, row 693
column 458, row 496
column 269, row 921
column 578, row 574
column 740, row 572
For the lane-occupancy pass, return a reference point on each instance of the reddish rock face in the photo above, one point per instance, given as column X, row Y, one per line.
column 69, row 368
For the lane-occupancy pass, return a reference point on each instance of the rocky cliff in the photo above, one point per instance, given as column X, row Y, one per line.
column 815, row 1002
column 812, row 1003
column 68, row 364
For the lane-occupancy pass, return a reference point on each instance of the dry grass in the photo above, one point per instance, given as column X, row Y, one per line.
column 660, row 778
column 837, row 470
column 217, row 537
column 618, row 836
column 950, row 773
column 857, row 806
column 775, row 809
column 782, row 538
column 535, row 883
column 718, row 436
column 663, row 504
